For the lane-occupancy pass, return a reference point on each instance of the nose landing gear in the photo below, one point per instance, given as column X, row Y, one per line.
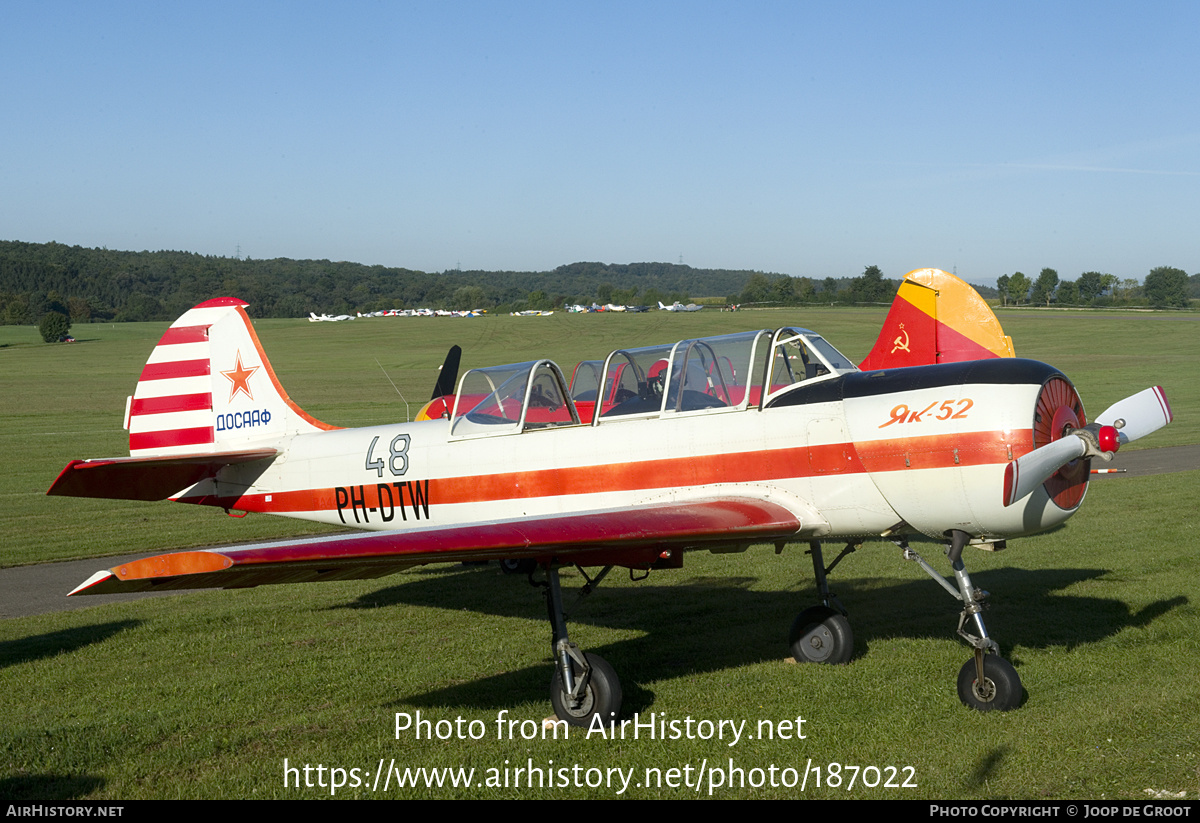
column 987, row 682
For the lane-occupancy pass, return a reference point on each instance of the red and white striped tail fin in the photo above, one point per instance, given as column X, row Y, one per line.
column 208, row 388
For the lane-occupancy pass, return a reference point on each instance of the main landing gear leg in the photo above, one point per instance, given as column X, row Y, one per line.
column 822, row 634
column 987, row 682
column 584, row 686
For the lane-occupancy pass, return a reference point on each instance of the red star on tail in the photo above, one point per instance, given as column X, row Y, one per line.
column 240, row 378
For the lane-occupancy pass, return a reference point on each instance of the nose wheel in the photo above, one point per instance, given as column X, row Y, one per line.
column 988, row 682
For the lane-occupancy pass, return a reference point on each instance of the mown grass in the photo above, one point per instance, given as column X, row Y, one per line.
column 205, row 694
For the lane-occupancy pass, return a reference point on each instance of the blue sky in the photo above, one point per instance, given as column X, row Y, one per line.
column 807, row 138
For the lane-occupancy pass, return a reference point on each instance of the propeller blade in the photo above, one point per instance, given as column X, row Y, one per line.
column 1139, row 415
column 448, row 376
column 1029, row 471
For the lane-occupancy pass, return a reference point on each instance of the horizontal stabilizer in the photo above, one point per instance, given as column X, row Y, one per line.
column 635, row 537
column 145, row 478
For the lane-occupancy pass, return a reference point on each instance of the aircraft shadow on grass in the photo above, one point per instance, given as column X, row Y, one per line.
column 51, row 644
column 39, row 788
column 987, row 766
column 717, row 623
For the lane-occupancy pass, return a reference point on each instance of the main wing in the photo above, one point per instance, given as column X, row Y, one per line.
column 636, row 537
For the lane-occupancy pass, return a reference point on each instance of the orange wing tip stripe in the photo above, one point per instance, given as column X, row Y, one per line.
column 172, row 565
column 165, row 567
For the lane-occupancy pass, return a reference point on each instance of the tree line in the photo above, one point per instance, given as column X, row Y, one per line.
column 89, row 285
column 1164, row 287
column 104, row 285
column 869, row 287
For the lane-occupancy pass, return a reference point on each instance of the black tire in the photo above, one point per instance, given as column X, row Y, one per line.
column 821, row 635
column 510, row 565
column 602, row 695
column 1001, row 690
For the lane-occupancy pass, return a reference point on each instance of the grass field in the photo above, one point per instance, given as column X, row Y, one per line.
column 206, row 694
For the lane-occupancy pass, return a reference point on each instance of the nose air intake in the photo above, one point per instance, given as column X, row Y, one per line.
column 1059, row 411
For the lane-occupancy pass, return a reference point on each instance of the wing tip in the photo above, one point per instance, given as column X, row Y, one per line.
column 88, row 586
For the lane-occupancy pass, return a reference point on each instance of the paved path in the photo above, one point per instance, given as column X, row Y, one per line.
column 28, row 590
column 1152, row 461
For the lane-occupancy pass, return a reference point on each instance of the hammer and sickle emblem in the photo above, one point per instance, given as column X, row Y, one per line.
column 901, row 341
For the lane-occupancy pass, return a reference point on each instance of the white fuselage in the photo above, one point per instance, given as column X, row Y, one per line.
column 930, row 457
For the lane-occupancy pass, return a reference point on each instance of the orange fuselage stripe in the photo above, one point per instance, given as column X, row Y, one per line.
column 900, row 454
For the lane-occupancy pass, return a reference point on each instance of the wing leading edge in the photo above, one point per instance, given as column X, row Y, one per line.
column 635, row 537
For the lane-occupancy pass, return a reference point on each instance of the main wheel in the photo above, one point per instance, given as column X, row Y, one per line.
column 1000, row 690
column 511, row 565
column 821, row 635
column 601, row 696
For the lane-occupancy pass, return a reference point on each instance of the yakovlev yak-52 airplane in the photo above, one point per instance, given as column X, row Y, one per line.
column 768, row 436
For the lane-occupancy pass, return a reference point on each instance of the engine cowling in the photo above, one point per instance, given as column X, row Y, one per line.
column 936, row 441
